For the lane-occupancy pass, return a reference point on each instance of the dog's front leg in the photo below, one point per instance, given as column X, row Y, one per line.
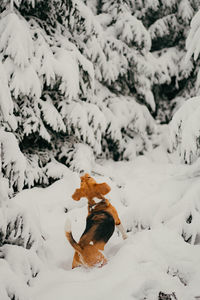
column 122, row 230
column 118, row 223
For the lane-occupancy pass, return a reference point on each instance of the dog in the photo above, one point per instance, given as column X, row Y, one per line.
column 100, row 224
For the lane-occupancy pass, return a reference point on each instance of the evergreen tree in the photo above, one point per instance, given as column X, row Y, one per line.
column 77, row 73
column 62, row 72
column 185, row 123
column 20, row 235
column 185, row 137
column 168, row 28
column 78, row 80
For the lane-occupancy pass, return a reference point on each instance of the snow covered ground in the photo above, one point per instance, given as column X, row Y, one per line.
column 154, row 196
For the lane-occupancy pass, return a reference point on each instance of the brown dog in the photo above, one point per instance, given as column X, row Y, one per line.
column 100, row 224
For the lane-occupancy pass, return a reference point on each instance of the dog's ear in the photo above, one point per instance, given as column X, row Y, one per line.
column 78, row 194
column 102, row 188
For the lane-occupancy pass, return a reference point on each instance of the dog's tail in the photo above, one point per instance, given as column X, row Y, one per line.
column 69, row 236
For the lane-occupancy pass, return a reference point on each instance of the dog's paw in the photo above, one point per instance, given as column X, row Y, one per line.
column 67, row 225
column 124, row 236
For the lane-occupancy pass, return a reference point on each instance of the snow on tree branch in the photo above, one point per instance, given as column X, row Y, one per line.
column 132, row 31
column 13, row 161
column 164, row 26
column 15, row 39
column 11, row 285
column 185, row 130
column 51, row 115
column 6, row 104
column 192, row 42
column 185, row 11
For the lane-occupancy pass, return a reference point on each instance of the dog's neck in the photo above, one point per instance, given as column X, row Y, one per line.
column 96, row 204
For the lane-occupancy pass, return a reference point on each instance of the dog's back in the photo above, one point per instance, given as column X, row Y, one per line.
column 100, row 226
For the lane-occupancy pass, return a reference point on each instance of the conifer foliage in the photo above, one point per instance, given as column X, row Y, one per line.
column 80, row 80
column 185, row 123
column 56, row 59
column 19, row 233
column 87, row 73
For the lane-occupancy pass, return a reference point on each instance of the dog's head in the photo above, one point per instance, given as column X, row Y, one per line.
column 87, row 179
column 90, row 189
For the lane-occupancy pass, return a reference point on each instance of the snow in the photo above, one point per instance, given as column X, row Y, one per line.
column 192, row 42
column 162, row 26
column 185, row 130
column 56, row 77
column 185, row 10
column 129, row 29
column 11, row 285
column 12, row 159
column 87, row 123
column 51, row 115
column 67, row 68
column 153, row 196
column 15, row 39
column 43, row 60
column 25, row 81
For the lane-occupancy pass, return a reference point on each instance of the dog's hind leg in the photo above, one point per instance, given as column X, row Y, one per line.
column 76, row 260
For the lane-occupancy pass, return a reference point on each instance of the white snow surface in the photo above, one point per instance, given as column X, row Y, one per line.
column 153, row 195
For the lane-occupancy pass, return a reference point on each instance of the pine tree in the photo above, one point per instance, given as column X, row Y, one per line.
column 67, row 65
column 20, row 235
column 58, row 60
column 185, row 123
column 135, row 41
column 41, row 74
column 169, row 28
column 78, row 80
column 185, row 137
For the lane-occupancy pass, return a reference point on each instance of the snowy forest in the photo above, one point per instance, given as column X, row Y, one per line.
column 110, row 88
